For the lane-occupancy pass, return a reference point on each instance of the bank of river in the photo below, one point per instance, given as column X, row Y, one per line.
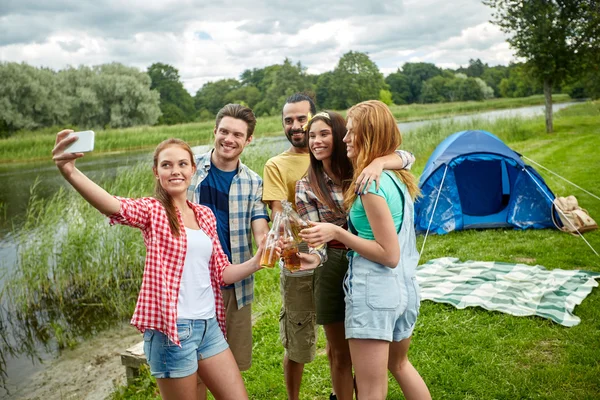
column 16, row 182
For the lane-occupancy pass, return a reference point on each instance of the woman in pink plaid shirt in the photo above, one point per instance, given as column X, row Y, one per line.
column 179, row 308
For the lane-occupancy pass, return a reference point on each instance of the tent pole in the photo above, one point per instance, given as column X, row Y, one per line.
column 433, row 213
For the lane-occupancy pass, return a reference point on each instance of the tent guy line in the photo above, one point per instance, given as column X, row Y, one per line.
column 563, row 214
column 564, row 179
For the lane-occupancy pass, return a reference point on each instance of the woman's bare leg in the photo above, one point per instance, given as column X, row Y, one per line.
column 221, row 375
column 177, row 388
column 370, row 360
column 411, row 383
column 339, row 360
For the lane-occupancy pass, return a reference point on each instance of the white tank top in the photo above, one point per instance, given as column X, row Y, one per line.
column 196, row 297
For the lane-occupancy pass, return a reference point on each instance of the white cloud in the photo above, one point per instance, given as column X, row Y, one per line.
column 208, row 40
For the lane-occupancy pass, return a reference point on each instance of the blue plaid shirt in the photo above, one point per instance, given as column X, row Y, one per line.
column 245, row 205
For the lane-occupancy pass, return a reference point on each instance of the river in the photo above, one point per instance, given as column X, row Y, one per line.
column 16, row 181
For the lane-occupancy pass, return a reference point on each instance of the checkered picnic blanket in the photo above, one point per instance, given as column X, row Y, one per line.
column 515, row 289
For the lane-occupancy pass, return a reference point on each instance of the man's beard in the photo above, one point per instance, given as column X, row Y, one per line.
column 300, row 144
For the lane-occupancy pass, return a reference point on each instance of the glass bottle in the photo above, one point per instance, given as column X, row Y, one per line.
column 297, row 224
column 269, row 258
column 291, row 261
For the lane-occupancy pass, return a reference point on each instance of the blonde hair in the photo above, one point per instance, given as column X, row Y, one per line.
column 160, row 193
column 376, row 134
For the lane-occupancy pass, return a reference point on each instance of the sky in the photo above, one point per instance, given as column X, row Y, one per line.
column 211, row 40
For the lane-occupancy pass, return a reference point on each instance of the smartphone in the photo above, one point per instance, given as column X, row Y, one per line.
column 83, row 144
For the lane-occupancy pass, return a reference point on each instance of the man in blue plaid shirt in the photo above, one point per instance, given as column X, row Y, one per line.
column 234, row 193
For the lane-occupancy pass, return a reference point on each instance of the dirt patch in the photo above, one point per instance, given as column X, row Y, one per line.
column 525, row 260
column 89, row 371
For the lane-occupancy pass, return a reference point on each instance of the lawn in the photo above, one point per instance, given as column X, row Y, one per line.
column 474, row 353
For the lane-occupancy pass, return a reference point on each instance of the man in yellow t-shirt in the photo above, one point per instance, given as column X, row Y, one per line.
column 297, row 323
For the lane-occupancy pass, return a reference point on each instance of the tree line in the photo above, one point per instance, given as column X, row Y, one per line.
column 114, row 95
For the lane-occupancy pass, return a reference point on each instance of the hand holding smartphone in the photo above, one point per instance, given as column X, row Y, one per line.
column 83, row 144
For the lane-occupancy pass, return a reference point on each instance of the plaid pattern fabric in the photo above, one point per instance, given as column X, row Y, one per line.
column 515, row 289
column 156, row 306
column 310, row 207
column 245, row 205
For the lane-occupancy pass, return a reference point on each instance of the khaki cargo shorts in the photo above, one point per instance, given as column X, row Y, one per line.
column 239, row 329
column 297, row 320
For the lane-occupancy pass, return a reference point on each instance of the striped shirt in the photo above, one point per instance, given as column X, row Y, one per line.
column 245, row 206
column 156, row 306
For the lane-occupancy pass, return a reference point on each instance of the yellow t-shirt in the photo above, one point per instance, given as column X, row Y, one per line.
column 280, row 176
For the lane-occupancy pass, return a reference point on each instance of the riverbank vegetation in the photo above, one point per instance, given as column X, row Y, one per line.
column 76, row 275
column 30, row 146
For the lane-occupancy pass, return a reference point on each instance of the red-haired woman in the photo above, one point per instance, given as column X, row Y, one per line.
column 382, row 294
column 319, row 198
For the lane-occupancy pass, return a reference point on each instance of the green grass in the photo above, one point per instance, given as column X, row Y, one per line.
column 30, row 146
column 461, row 354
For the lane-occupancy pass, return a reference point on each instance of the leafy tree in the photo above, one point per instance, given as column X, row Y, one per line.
column 587, row 86
column 476, row 68
column 29, row 98
column 254, row 77
column 556, row 37
column 399, row 86
column 247, row 95
column 284, row 81
column 125, row 97
column 176, row 104
column 324, row 87
column 486, row 91
column 385, row 96
column 356, row 78
column 417, row 73
column 83, row 104
column 212, row 95
column 470, row 90
column 493, row 75
column 432, row 90
column 519, row 83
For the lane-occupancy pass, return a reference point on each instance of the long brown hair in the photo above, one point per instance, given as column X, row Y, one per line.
column 341, row 166
column 160, row 193
column 376, row 134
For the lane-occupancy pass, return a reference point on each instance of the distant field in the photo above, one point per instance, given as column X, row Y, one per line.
column 36, row 145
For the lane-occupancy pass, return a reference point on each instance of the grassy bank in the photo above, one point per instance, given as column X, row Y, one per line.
column 28, row 146
column 462, row 354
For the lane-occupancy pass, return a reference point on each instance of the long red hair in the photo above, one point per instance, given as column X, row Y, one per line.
column 376, row 134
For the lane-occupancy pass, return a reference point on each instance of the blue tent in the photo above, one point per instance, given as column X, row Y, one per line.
column 484, row 184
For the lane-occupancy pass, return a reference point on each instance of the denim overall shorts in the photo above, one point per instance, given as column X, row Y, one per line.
column 381, row 302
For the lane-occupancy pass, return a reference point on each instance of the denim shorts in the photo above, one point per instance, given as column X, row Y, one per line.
column 199, row 338
column 381, row 303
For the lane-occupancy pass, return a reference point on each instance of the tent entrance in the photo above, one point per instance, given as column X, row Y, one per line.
column 484, row 188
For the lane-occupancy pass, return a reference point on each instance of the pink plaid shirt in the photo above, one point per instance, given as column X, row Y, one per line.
column 156, row 306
